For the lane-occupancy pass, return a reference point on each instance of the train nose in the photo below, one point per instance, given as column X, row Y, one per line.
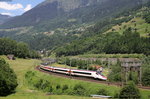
column 104, row 78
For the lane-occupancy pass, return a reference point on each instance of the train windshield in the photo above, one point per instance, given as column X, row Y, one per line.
column 99, row 73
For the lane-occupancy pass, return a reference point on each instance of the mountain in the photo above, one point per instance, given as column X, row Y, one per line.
column 56, row 22
column 80, row 10
column 48, row 10
column 127, row 33
column 3, row 18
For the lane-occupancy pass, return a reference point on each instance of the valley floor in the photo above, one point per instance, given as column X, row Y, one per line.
column 21, row 66
column 25, row 91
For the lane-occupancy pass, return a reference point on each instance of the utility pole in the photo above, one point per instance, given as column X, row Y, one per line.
column 87, row 65
column 70, row 67
column 65, row 62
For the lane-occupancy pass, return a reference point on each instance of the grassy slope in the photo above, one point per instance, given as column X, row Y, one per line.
column 141, row 26
column 20, row 66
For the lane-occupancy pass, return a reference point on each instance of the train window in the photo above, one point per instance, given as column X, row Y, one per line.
column 81, row 73
column 61, row 70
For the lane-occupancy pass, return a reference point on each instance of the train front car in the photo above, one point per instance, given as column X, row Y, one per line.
column 99, row 76
column 102, row 77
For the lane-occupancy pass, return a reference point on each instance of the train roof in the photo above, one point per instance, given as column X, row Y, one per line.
column 72, row 69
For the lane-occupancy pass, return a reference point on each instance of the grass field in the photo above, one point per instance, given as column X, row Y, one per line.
column 24, row 91
column 21, row 66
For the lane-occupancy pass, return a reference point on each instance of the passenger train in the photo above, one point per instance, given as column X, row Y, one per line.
column 75, row 72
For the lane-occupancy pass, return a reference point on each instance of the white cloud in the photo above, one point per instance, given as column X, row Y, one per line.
column 6, row 13
column 28, row 7
column 7, row 6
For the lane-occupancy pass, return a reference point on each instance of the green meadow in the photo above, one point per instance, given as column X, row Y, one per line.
column 23, row 91
column 27, row 91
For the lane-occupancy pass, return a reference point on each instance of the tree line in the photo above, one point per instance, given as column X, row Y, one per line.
column 82, row 64
column 111, row 43
column 19, row 49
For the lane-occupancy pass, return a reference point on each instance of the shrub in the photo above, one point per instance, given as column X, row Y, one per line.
column 42, row 84
column 58, row 87
column 8, row 79
column 50, row 89
column 79, row 90
column 45, row 85
column 116, row 95
column 102, row 92
column 129, row 92
column 146, row 77
column 115, row 74
column 65, row 87
column 133, row 76
column 146, row 71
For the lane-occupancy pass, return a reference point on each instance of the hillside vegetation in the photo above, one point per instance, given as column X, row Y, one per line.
column 128, row 43
column 8, row 79
column 27, row 89
column 22, row 50
column 138, row 23
column 126, row 34
column 57, row 22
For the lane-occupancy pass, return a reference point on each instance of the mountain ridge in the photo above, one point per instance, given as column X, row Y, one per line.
column 42, row 30
column 81, row 10
column 3, row 18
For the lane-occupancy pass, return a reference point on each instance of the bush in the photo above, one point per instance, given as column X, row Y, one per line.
column 79, row 90
column 50, row 89
column 8, row 79
column 58, row 87
column 146, row 77
column 146, row 71
column 42, row 84
column 102, row 92
column 133, row 76
column 129, row 92
column 65, row 87
column 115, row 74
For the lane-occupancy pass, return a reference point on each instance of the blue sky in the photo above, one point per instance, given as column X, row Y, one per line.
column 17, row 7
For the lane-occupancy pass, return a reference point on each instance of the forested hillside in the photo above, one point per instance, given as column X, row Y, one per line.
column 104, row 38
column 57, row 22
column 110, row 43
column 21, row 50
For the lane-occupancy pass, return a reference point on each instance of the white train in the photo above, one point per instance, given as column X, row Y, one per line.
column 75, row 72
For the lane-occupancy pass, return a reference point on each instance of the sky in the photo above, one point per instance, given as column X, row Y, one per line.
column 17, row 7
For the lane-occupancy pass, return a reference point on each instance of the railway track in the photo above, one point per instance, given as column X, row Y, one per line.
column 86, row 79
